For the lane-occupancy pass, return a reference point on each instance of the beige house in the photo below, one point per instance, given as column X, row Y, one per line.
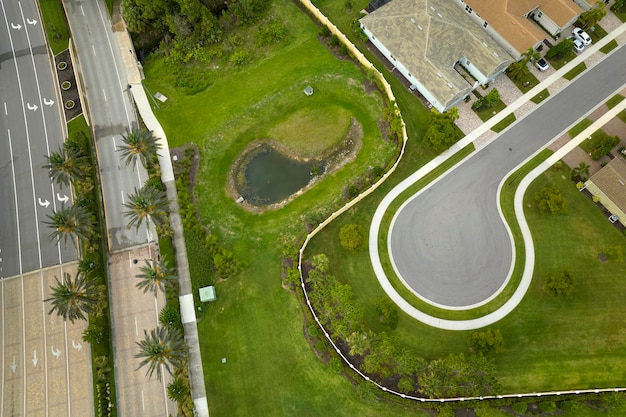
column 517, row 24
column 436, row 47
column 609, row 185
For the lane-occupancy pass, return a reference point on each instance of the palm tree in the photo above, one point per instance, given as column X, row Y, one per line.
column 581, row 172
column 72, row 298
column 66, row 165
column 155, row 276
column 146, row 203
column 139, row 144
column 517, row 70
column 592, row 16
column 163, row 346
column 530, row 55
column 73, row 221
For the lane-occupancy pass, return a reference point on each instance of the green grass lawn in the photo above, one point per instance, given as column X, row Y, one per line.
column 570, row 75
column 578, row 128
column 504, row 123
column 525, row 83
column 609, row 46
column 487, row 113
column 559, row 61
column 543, row 94
column 596, row 33
column 55, row 25
column 590, row 144
column 614, row 101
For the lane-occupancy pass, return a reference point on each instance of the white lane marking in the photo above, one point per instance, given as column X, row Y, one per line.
column 17, row 27
column 93, row 48
column 143, row 404
column 23, row 340
column 104, row 93
column 114, row 144
column 17, row 209
column 82, row 10
column 6, row 113
column 136, row 327
column 45, row 339
column 67, row 374
column 122, row 193
column 45, row 130
column 13, row 363
column 30, row 21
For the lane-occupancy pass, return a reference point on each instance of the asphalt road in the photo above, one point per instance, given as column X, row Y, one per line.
column 111, row 113
column 31, row 126
column 449, row 243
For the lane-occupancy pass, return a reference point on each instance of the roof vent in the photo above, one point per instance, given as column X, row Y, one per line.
column 432, row 8
column 496, row 54
column 485, row 44
column 439, row 75
column 621, row 182
column 413, row 21
column 449, row 85
column 419, row 27
column 439, row 14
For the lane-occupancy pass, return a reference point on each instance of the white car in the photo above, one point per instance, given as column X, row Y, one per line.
column 542, row 64
column 578, row 45
column 613, row 218
column 582, row 36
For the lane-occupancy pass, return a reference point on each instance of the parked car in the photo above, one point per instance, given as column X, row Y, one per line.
column 582, row 36
column 542, row 64
column 613, row 218
column 578, row 46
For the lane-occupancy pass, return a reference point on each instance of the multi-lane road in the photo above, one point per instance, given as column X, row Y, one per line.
column 449, row 243
column 31, row 126
column 111, row 113
column 44, row 367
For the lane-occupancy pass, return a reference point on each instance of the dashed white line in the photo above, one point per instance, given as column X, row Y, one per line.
column 6, row 113
column 104, row 93
column 93, row 48
column 122, row 193
column 82, row 10
column 143, row 404
column 137, row 331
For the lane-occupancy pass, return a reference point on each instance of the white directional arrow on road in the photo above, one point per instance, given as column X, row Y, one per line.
column 76, row 345
column 62, row 199
column 14, row 26
column 31, row 21
column 35, row 360
column 44, row 203
column 32, row 107
column 55, row 352
column 48, row 102
column 13, row 364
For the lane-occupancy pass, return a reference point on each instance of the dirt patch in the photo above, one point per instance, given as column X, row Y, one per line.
column 334, row 158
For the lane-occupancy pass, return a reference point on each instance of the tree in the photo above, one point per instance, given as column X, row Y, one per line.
column 66, row 165
column 580, row 173
column 353, row 237
column 486, row 342
column 139, row 144
column 559, row 283
column 162, row 347
column 156, row 275
column 592, row 16
column 73, row 222
column 146, row 203
column 530, row 55
column 487, row 101
column 441, row 132
column 388, row 313
column 72, row 298
column 550, row 200
column 561, row 49
column 517, row 70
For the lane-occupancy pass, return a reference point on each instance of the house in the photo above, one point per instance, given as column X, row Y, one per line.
column 517, row 24
column 436, row 47
column 609, row 185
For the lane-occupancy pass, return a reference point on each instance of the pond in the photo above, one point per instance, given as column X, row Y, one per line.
column 271, row 177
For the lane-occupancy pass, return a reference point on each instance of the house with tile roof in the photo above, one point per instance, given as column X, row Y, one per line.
column 609, row 185
column 436, row 47
column 521, row 24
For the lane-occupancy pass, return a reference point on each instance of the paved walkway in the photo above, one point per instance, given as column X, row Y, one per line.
column 480, row 136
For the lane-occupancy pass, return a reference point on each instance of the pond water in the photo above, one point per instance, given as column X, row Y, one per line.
column 271, row 177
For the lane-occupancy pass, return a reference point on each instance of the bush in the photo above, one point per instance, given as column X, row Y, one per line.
column 240, row 58
column 170, row 316
column 520, row 407
column 559, row 283
column 405, row 384
column 604, row 147
column 353, row 237
column 547, row 406
column 388, row 313
column 570, row 405
column 487, row 342
column 335, row 364
column 550, row 199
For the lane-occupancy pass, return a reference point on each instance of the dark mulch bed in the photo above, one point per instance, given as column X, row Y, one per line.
column 67, row 74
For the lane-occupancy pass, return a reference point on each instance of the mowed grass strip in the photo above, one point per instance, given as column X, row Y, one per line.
column 55, row 25
column 312, row 130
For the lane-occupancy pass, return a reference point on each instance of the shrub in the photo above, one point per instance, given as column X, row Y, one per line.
column 335, row 364
column 240, row 58
column 274, row 32
column 550, row 199
column 405, row 384
column 559, row 283
column 570, row 405
column 520, row 407
column 604, row 147
column 177, row 389
column 388, row 314
column 169, row 316
column 547, row 406
column 487, row 342
column 352, row 237
column 93, row 334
